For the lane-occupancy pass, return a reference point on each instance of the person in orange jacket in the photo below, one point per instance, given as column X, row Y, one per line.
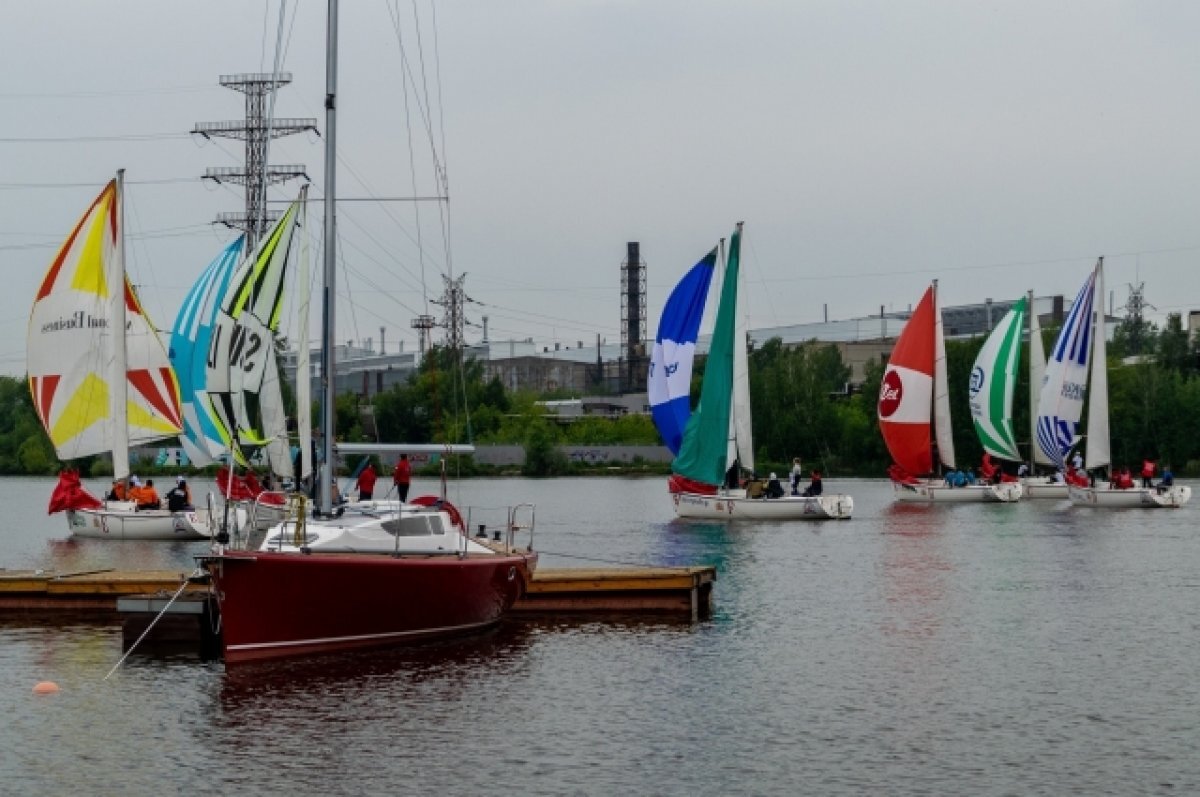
column 146, row 496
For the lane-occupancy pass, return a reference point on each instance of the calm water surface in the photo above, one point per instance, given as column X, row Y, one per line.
column 1025, row 649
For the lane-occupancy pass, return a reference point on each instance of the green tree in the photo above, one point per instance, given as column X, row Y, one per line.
column 542, row 457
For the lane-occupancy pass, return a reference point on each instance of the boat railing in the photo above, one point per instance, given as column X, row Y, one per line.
column 213, row 525
column 276, row 506
column 520, row 518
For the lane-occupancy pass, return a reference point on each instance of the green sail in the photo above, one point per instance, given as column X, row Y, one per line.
column 992, row 380
column 703, row 453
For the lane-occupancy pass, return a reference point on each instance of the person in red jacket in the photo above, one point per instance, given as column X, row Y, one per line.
column 1147, row 472
column 366, row 483
column 402, row 477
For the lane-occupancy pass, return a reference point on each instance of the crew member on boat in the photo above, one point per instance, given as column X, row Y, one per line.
column 366, row 483
column 1167, row 480
column 146, row 496
column 179, row 497
column 774, row 488
column 797, row 475
column 402, row 477
column 1147, row 472
column 988, row 469
column 815, row 486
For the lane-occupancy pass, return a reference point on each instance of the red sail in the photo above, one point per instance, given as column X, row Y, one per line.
column 69, row 493
column 906, row 392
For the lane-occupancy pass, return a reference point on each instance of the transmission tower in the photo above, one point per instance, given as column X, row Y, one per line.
column 1135, row 307
column 453, row 320
column 633, row 319
column 256, row 131
column 423, row 324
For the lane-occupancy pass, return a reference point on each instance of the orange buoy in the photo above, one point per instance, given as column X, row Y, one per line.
column 45, row 688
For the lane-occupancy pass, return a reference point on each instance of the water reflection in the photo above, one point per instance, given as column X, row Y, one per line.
column 915, row 569
column 682, row 543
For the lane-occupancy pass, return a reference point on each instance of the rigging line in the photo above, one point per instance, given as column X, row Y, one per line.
column 539, row 315
column 762, row 281
column 261, row 221
column 160, row 181
column 92, row 139
column 379, row 290
column 44, row 95
column 986, row 266
column 443, row 212
column 170, row 232
column 344, row 163
column 346, row 274
column 412, row 166
column 366, row 310
column 590, row 330
column 382, row 248
column 144, row 276
column 440, row 174
column 437, row 76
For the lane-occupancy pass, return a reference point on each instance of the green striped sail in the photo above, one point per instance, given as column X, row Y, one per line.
column 992, row 379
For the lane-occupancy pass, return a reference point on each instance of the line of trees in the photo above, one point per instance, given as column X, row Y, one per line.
column 799, row 400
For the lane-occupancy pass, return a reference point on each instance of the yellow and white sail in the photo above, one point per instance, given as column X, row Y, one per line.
column 85, row 374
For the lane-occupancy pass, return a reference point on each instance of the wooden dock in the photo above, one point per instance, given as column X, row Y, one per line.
column 684, row 592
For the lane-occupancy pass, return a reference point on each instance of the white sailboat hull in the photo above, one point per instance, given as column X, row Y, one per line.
column 120, row 521
column 740, row 507
column 1132, row 498
column 938, row 492
column 1044, row 489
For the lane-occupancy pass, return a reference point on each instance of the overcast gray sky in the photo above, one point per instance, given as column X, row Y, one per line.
column 869, row 146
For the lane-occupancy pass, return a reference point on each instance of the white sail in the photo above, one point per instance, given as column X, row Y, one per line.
column 1037, row 378
column 98, row 373
column 740, row 417
column 1098, row 454
column 941, row 390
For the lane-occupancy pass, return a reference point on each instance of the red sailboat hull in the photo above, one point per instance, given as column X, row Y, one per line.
column 284, row 604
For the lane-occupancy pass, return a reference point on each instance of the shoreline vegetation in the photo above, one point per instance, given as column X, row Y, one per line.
column 802, row 401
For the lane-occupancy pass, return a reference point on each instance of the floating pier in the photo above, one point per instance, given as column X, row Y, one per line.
column 137, row 597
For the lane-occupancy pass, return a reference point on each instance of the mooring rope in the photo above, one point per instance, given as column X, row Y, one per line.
column 132, row 647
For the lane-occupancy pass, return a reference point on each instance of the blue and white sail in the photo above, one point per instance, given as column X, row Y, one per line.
column 190, row 338
column 670, row 380
column 1060, row 405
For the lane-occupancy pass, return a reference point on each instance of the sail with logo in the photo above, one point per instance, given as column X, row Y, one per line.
column 993, row 379
column 100, row 378
column 914, row 389
column 715, row 442
column 670, row 380
column 242, row 375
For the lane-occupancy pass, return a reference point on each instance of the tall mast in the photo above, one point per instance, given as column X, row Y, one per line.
column 325, row 482
column 116, row 317
column 941, row 391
